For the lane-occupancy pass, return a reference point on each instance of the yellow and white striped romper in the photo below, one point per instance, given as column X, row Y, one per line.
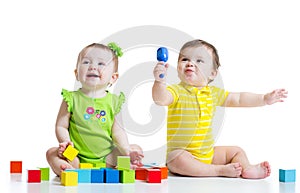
column 189, row 119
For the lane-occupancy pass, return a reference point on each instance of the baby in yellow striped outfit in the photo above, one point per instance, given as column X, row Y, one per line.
column 191, row 106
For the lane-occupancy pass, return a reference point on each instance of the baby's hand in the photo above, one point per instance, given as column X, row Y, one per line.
column 275, row 96
column 62, row 147
column 159, row 69
column 136, row 157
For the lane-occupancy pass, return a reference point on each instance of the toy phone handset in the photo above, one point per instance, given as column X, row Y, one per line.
column 162, row 55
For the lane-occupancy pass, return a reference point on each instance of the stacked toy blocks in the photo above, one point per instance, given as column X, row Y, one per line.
column 88, row 173
column 287, row 175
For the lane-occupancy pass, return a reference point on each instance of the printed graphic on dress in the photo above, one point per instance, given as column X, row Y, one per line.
column 92, row 114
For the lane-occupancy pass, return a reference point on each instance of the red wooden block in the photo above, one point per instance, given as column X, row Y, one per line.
column 154, row 176
column 34, row 176
column 141, row 174
column 16, row 167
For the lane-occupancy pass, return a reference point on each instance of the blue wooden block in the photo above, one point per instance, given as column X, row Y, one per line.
column 84, row 175
column 97, row 175
column 112, row 175
column 287, row 175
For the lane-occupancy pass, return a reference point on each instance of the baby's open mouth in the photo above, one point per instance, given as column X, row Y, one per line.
column 93, row 75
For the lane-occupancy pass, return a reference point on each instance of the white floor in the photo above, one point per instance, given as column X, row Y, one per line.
column 16, row 183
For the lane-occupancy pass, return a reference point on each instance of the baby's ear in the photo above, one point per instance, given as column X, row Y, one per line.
column 76, row 74
column 114, row 77
column 213, row 74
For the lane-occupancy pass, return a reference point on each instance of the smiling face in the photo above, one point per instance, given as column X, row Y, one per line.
column 96, row 68
column 195, row 66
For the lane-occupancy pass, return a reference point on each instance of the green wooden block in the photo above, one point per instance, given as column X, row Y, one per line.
column 127, row 176
column 45, row 173
column 123, row 162
column 99, row 165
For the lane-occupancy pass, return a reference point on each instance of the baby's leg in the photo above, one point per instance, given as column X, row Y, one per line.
column 58, row 164
column 233, row 154
column 183, row 163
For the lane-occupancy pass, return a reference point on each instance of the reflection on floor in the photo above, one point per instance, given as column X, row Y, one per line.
column 174, row 184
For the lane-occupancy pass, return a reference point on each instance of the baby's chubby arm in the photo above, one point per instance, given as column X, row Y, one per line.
column 61, row 128
column 120, row 139
column 161, row 96
column 246, row 99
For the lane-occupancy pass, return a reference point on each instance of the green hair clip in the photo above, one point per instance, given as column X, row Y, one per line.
column 114, row 47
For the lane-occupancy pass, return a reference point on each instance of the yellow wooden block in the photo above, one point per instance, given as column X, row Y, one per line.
column 70, row 153
column 85, row 165
column 69, row 178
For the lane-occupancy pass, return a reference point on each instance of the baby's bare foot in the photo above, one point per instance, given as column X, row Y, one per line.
column 258, row 171
column 233, row 170
column 63, row 167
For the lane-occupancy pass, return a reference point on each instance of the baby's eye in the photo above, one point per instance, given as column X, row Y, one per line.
column 199, row 61
column 85, row 62
column 101, row 64
column 184, row 59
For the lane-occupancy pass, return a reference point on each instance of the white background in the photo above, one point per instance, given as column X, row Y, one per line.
column 258, row 43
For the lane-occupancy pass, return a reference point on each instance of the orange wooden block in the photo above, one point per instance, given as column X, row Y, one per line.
column 16, row 167
column 164, row 171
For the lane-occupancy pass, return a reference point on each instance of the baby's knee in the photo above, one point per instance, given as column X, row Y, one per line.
column 238, row 149
column 177, row 156
column 51, row 153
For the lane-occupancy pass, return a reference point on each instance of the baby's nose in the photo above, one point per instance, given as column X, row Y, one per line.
column 93, row 67
column 190, row 64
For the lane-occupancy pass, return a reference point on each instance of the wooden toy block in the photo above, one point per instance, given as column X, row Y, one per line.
column 123, row 163
column 84, row 175
column 111, row 175
column 141, row 174
column 99, row 165
column 86, row 166
column 45, row 173
column 15, row 166
column 69, row 178
column 97, row 175
column 34, row 176
column 70, row 153
column 287, row 175
column 164, row 171
column 153, row 176
column 127, row 176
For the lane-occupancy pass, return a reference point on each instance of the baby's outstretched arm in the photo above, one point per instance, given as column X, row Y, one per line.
column 160, row 94
column 246, row 99
column 275, row 96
